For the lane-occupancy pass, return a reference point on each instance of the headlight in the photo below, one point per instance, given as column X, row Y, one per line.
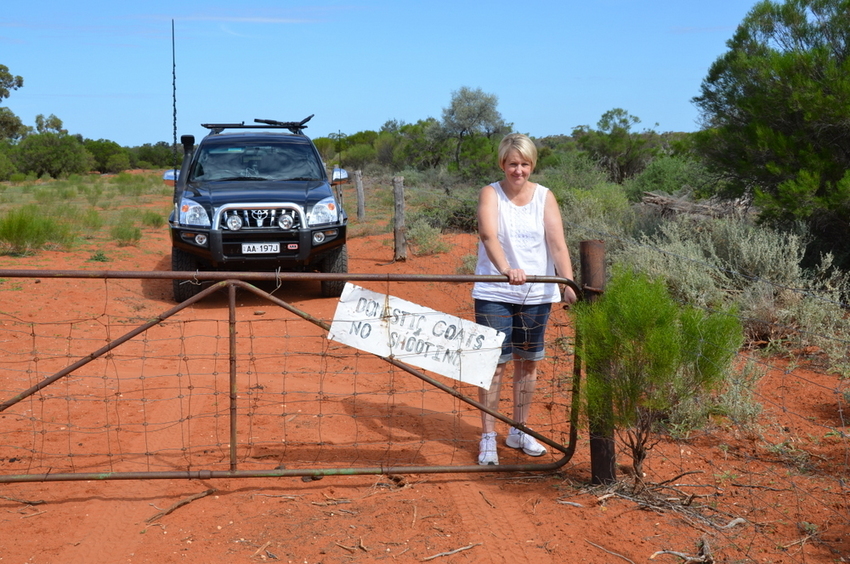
column 234, row 222
column 193, row 213
column 285, row 221
column 326, row 211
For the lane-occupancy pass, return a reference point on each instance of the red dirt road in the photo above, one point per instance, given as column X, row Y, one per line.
column 776, row 508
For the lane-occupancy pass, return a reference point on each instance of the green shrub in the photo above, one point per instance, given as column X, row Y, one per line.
column 92, row 193
column 574, row 171
column 674, row 174
column 152, row 219
column 716, row 263
column 50, row 154
column 458, row 212
column 597, row 213
column 425, row 239
column 98, row 256
column 137, row 185
column 29, row 228
column 644, row 355
column 467, row 264
column 126, row 234
column 44, row 195
column 7, row 168
column 91, row 220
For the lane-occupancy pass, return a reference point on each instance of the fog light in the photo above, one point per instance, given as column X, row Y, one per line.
column 318, row 237
column 234, row 222
column 200, row 239
column 285, row 221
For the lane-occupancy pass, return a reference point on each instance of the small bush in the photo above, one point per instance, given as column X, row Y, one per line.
column 671, row 175
column 29, row 228
column 467, row 264
column 716, row 263
column 7, row 168
column 574, row 171
column 645, row 355
column 126, row 234
column 92, row 193
column 425, row 239
column 152, row 219
column 92, row 220
column 98, row 256
column 453, row 214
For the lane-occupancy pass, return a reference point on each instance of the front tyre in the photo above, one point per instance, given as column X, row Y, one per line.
column 182, row 261
column 336, row 262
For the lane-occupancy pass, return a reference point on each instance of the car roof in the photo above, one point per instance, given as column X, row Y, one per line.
column 255, row 136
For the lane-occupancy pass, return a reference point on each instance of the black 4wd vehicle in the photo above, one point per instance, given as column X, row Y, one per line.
column 256, row 200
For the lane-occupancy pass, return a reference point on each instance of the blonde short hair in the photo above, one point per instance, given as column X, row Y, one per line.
column 520, row 143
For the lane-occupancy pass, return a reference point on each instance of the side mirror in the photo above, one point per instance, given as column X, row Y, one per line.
column 339, row 176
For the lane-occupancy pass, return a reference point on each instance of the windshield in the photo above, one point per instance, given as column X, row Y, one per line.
column 257, row 161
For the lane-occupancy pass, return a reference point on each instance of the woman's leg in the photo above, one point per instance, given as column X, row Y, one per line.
column 490, row 399
column 525, row 381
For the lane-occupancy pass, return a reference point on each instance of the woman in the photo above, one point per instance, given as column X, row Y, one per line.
column 521, row 234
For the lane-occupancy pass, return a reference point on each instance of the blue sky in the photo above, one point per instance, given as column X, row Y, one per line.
column 105, row 68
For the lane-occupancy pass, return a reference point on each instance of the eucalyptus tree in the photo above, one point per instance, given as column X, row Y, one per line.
column 471, row 115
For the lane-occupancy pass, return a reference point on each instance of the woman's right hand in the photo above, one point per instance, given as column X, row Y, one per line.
column 516, row 276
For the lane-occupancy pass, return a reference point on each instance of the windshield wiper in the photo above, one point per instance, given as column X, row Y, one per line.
column 241, row 178
column 300, row 178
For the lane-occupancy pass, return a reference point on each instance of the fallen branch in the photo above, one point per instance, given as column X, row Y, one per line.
column 455, row 551
column 685, row 558
column 490, row 503
column 262, row 548
column 682, row 475
column 179, row 504
column 703, row 557
column 608, row 551
column 786, row 546
column 24, row 501
column 733, row 522
column 768, row 488
column 348, row 548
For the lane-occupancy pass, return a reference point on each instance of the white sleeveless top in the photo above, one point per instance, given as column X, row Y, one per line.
column 522, row 235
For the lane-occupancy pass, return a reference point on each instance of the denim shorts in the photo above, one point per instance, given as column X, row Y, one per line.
column 523, row 326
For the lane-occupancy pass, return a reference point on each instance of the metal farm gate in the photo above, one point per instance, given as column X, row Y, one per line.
column 191, row 394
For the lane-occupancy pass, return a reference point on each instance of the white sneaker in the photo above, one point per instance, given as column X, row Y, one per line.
column 518, row 439
column 487, row 455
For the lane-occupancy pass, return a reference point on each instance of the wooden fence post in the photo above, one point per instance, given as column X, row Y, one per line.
column 398, row 220
column 361, row 199
column 603, row 469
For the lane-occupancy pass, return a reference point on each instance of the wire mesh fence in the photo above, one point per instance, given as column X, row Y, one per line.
column 765, row 483
column 233, row 389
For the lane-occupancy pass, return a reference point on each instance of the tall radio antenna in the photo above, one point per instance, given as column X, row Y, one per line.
column 174, row 100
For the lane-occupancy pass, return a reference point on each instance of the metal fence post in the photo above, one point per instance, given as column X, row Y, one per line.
column 602, row 455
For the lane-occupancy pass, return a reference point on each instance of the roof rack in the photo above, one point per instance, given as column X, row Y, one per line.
column 296, row 127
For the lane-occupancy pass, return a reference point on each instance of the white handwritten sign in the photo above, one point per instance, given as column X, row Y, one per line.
column 391, row 327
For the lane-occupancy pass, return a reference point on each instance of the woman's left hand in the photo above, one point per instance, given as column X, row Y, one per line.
column 569, row 296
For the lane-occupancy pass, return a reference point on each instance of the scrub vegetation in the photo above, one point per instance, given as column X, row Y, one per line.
column 748, row 215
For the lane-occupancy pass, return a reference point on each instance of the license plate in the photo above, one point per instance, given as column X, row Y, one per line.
column 260, row 248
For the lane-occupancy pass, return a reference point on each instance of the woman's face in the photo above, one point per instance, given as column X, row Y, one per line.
column 517, row 168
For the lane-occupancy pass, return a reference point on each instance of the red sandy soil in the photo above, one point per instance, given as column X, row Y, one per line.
column 773, row 492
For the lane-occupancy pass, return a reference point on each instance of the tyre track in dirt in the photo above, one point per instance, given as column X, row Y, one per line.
column 502, row 521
